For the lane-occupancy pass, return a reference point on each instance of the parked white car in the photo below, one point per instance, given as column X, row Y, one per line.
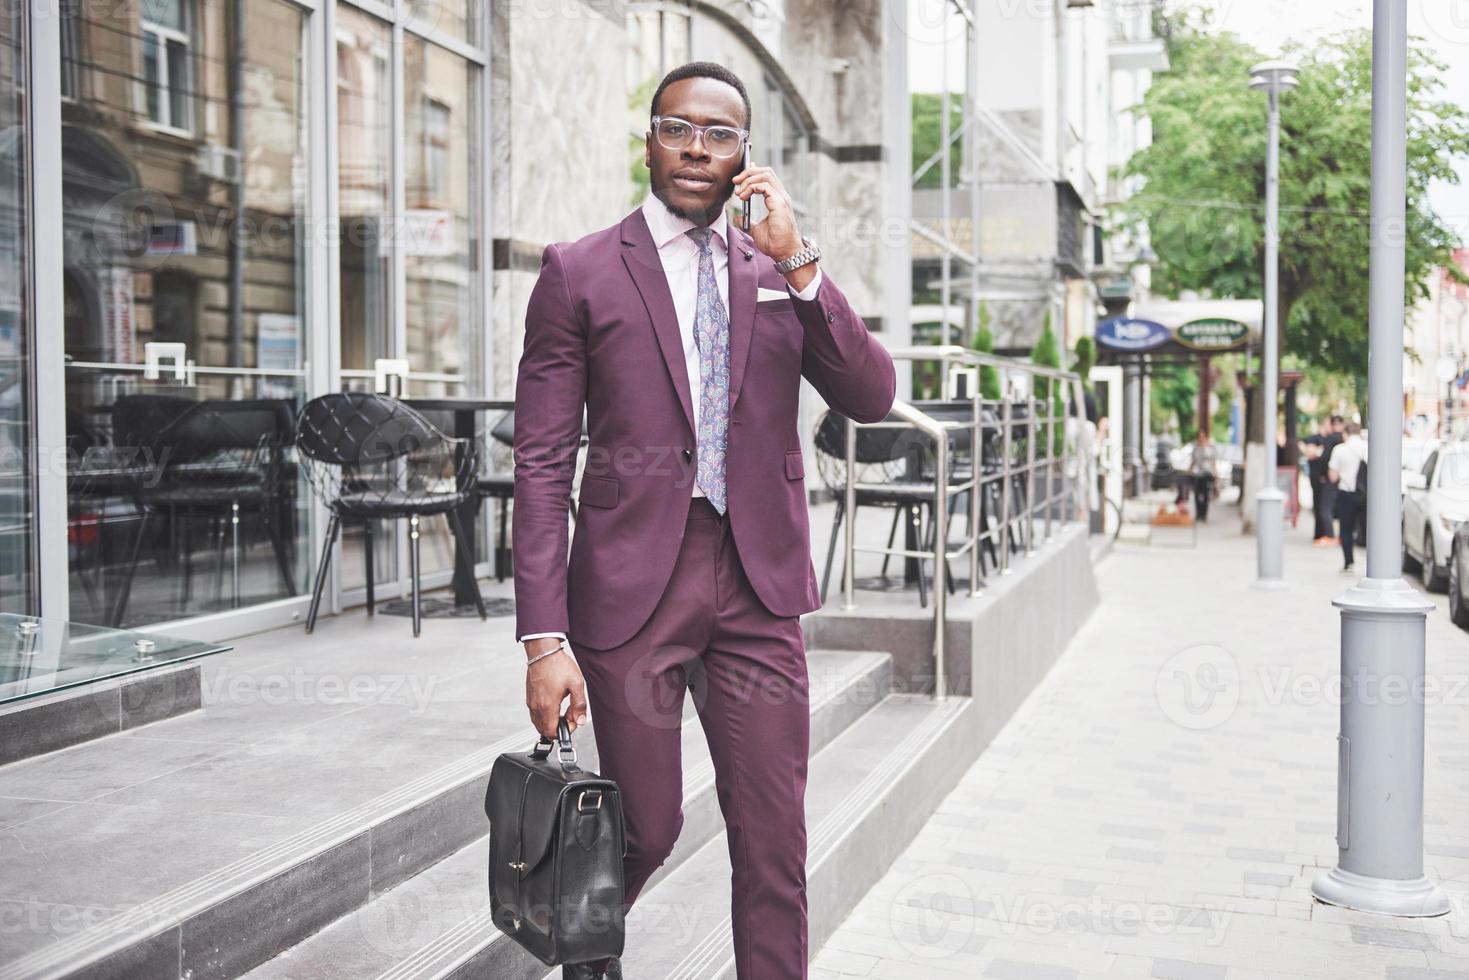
column 1435, row 503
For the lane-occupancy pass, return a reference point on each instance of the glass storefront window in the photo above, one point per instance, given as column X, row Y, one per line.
column 440, row 231
column 184, row 176
column 17, row 558
column 458, row 19
column 364, row 186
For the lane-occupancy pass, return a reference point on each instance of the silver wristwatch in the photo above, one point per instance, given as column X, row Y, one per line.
column 809, row 253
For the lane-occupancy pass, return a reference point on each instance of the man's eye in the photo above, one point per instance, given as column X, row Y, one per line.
column 674, row 129
column 719, row 135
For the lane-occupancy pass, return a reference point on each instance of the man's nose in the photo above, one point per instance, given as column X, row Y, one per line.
column 696, row 150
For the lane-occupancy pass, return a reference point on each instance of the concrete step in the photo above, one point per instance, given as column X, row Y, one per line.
column 868, row 793
column 312, row 781
column 437, row 921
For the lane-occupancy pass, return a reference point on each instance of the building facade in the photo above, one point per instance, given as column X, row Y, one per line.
column 247, row 203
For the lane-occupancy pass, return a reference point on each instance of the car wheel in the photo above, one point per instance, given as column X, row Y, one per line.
column 1433, row 579
column 1410, row 564
column 1458, row 608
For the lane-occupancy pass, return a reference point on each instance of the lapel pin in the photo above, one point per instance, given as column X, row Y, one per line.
column 748, row 254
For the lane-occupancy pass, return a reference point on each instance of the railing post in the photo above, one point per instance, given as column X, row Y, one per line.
column 1030, row 467
column 1052, row 386
column 850, row 505
column 1006, row 451
column 976, row 467
column 940, row 558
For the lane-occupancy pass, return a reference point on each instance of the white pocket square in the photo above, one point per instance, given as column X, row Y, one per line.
column 763, row 295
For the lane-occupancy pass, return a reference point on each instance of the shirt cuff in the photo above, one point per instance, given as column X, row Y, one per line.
column 532, row 636
column 809, row 293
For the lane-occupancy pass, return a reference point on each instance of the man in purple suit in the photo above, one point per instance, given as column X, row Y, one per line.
column 685, row 339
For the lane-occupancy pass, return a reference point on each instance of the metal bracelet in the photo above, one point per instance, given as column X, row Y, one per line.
column 542, row 656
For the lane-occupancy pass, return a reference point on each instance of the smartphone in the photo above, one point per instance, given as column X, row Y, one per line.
column 746, row 166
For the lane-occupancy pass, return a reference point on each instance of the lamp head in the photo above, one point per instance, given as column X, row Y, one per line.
column 1274, row 76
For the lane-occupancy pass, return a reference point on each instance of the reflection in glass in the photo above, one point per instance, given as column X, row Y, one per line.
column 440, row 231
column 184, row 307
column 364, row 174
column 364, row 193
column 441, row 234
column 16, row 524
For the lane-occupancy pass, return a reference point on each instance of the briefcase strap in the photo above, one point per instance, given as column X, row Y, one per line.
column 566, row 751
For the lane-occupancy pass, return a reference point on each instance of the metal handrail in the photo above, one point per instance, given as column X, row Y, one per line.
column 1011, row 526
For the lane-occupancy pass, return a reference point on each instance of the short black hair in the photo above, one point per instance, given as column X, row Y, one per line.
column 703, row 69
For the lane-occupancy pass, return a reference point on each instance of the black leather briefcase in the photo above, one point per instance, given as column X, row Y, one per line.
column 556, row 849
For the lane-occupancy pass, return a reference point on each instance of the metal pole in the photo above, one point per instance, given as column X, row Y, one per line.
column 1030, row 432
column 1053, row 385
column 1132, row 422
column 976, row 467
column 944, row 198
column 849, row 544
column 940, row 559
column 1006, row 451
column 1379, row 831
column 1270, row 502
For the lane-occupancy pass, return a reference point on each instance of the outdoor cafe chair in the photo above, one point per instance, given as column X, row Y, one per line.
column 213, row 459
column 370, row 457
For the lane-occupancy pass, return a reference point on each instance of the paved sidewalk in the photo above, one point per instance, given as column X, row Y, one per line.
column 1160, row 804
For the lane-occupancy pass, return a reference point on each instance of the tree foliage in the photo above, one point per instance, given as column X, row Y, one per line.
column 927, row 127
column 1202, row 183
column 1047, row 353
column 984, row 342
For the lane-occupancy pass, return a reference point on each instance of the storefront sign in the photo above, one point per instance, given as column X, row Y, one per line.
column 1126, row 334
column 1213, row 333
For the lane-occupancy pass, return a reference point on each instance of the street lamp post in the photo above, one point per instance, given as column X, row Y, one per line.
column 1379, row 810
column 1273, row 77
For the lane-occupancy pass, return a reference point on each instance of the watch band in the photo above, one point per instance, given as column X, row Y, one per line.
column 809, row 253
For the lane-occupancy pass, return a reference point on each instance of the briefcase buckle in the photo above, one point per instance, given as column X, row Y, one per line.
column 580, row 800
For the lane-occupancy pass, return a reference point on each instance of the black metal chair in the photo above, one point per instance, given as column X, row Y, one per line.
column 889, row 473
column 214, row 459
column 370, row 457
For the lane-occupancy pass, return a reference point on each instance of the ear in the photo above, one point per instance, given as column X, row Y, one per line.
column 648, row 149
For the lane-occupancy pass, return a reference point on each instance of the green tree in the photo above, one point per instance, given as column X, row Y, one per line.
column 1203, row 183
column 1047, row 353
column 1175, row 397
column 637, row 105
column 928, row 134
column 1086, row 357
column 984, row 342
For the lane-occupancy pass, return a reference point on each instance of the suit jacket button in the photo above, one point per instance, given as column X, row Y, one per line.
column 687, row 454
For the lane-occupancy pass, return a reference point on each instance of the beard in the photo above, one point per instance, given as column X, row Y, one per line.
column 699, row 216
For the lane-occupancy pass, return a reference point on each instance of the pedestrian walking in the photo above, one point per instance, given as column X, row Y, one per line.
column 1204, row 471
column 683, row 336
column 1348, row 474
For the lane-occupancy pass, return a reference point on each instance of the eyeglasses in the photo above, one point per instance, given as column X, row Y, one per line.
column 674, row 133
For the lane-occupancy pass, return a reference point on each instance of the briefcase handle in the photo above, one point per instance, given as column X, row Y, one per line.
column 566, row 751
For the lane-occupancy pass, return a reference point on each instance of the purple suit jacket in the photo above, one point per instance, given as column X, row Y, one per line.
column 601, row 332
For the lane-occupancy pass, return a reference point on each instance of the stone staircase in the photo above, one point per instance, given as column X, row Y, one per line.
column 276, row 844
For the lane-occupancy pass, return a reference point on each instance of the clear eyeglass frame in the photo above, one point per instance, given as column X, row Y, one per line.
column 703, row 132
